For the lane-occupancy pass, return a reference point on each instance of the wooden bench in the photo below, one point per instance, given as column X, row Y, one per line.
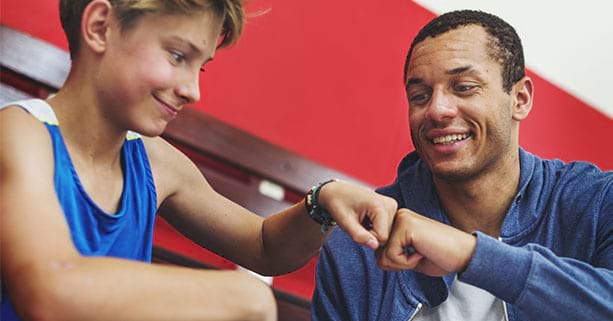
column 250, row 171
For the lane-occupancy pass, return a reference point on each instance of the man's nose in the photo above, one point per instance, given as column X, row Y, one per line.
column 442, row 106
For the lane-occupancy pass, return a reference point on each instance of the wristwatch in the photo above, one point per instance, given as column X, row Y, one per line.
column 315, row 210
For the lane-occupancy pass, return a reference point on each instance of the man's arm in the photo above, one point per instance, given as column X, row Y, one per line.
column 540, row 284
column 279, row 244
column 47, row 279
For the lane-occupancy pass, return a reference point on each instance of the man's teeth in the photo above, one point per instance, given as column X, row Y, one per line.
column 449, row 138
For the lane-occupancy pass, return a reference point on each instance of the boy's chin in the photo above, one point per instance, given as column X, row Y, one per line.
column 152, row 131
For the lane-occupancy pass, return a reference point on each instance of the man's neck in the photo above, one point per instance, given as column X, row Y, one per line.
column 481, row 203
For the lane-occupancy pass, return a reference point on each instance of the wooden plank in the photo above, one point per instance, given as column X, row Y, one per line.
column 245, row 194
column 212, row 137
column 9, row 93
column 43, row 63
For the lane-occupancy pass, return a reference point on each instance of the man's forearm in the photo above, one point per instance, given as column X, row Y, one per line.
column 540, row 284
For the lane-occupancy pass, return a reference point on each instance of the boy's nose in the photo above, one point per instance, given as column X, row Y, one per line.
column 189, row 91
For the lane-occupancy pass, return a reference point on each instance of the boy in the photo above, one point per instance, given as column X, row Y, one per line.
column 80, row 189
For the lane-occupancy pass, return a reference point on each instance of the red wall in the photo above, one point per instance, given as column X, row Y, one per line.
column 323, row 79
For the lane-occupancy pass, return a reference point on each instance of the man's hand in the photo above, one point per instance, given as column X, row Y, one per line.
column 350, row 205
column 440, row 249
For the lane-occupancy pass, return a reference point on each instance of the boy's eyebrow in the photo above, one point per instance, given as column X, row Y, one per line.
column 191, row 45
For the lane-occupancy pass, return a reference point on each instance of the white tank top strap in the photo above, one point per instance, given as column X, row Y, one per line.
column 38, row 108
column 43, row 112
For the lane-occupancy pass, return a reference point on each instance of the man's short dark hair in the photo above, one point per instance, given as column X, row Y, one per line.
column 505, row 45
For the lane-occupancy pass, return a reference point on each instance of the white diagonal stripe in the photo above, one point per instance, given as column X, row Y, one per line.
column 569, row 43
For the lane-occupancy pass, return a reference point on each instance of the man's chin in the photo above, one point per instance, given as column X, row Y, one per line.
column 453, row 173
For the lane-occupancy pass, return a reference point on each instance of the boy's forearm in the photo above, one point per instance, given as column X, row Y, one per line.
column 290, row 239
column 115, row 289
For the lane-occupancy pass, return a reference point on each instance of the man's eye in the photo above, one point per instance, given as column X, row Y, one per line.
column 419, row 99
column 464, row 88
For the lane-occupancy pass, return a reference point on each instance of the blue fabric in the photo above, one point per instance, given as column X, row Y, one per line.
column 554, row 260
column 126, row 234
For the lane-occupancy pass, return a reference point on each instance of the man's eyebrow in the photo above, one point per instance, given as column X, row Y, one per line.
column 455, row 71
column 414, row 81
column 460, row 70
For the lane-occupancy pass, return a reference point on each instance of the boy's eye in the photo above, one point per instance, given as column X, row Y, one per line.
column 177, row 56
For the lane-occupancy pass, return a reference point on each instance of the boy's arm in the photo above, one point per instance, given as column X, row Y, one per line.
column 279, row 244
column 46, row 278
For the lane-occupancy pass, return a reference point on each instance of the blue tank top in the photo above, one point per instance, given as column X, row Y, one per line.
column 126, row 234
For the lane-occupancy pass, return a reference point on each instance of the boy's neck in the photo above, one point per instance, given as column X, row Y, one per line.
column 87, row 133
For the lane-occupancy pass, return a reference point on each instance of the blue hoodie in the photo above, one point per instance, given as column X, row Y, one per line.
column 554, row 259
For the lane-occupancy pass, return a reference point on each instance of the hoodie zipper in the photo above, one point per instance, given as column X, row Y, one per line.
column 506, row 313
column 504, row 304
column 416, row 311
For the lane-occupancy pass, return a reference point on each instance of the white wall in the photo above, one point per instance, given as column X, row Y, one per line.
column 570, row 43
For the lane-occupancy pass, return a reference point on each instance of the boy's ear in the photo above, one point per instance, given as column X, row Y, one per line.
column 95, row 24
column 522, row 98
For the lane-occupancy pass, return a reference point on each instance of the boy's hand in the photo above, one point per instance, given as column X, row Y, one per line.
column 349, row 205
column 440, row 249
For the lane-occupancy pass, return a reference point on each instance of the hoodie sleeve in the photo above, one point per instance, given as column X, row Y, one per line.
column 544, row 286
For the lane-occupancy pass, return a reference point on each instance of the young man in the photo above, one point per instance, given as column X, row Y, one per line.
column 80, row 188
column 497, row 233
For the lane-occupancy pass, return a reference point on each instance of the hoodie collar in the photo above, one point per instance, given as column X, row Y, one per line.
column 419, row 194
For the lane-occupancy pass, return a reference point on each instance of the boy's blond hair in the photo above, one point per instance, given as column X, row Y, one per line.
column 128, row 12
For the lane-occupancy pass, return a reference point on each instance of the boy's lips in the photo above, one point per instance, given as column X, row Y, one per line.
column 172, row 109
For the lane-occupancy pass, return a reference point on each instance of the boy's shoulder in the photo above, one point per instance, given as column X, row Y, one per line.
column 38, row 108
column 22, row 121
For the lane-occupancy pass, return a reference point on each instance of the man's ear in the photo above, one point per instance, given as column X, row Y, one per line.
column 95, row 24
column 522, row 93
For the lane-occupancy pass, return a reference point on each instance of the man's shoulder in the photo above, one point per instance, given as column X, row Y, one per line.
column 577, row 182
column 580, row 173
column 413, row 176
